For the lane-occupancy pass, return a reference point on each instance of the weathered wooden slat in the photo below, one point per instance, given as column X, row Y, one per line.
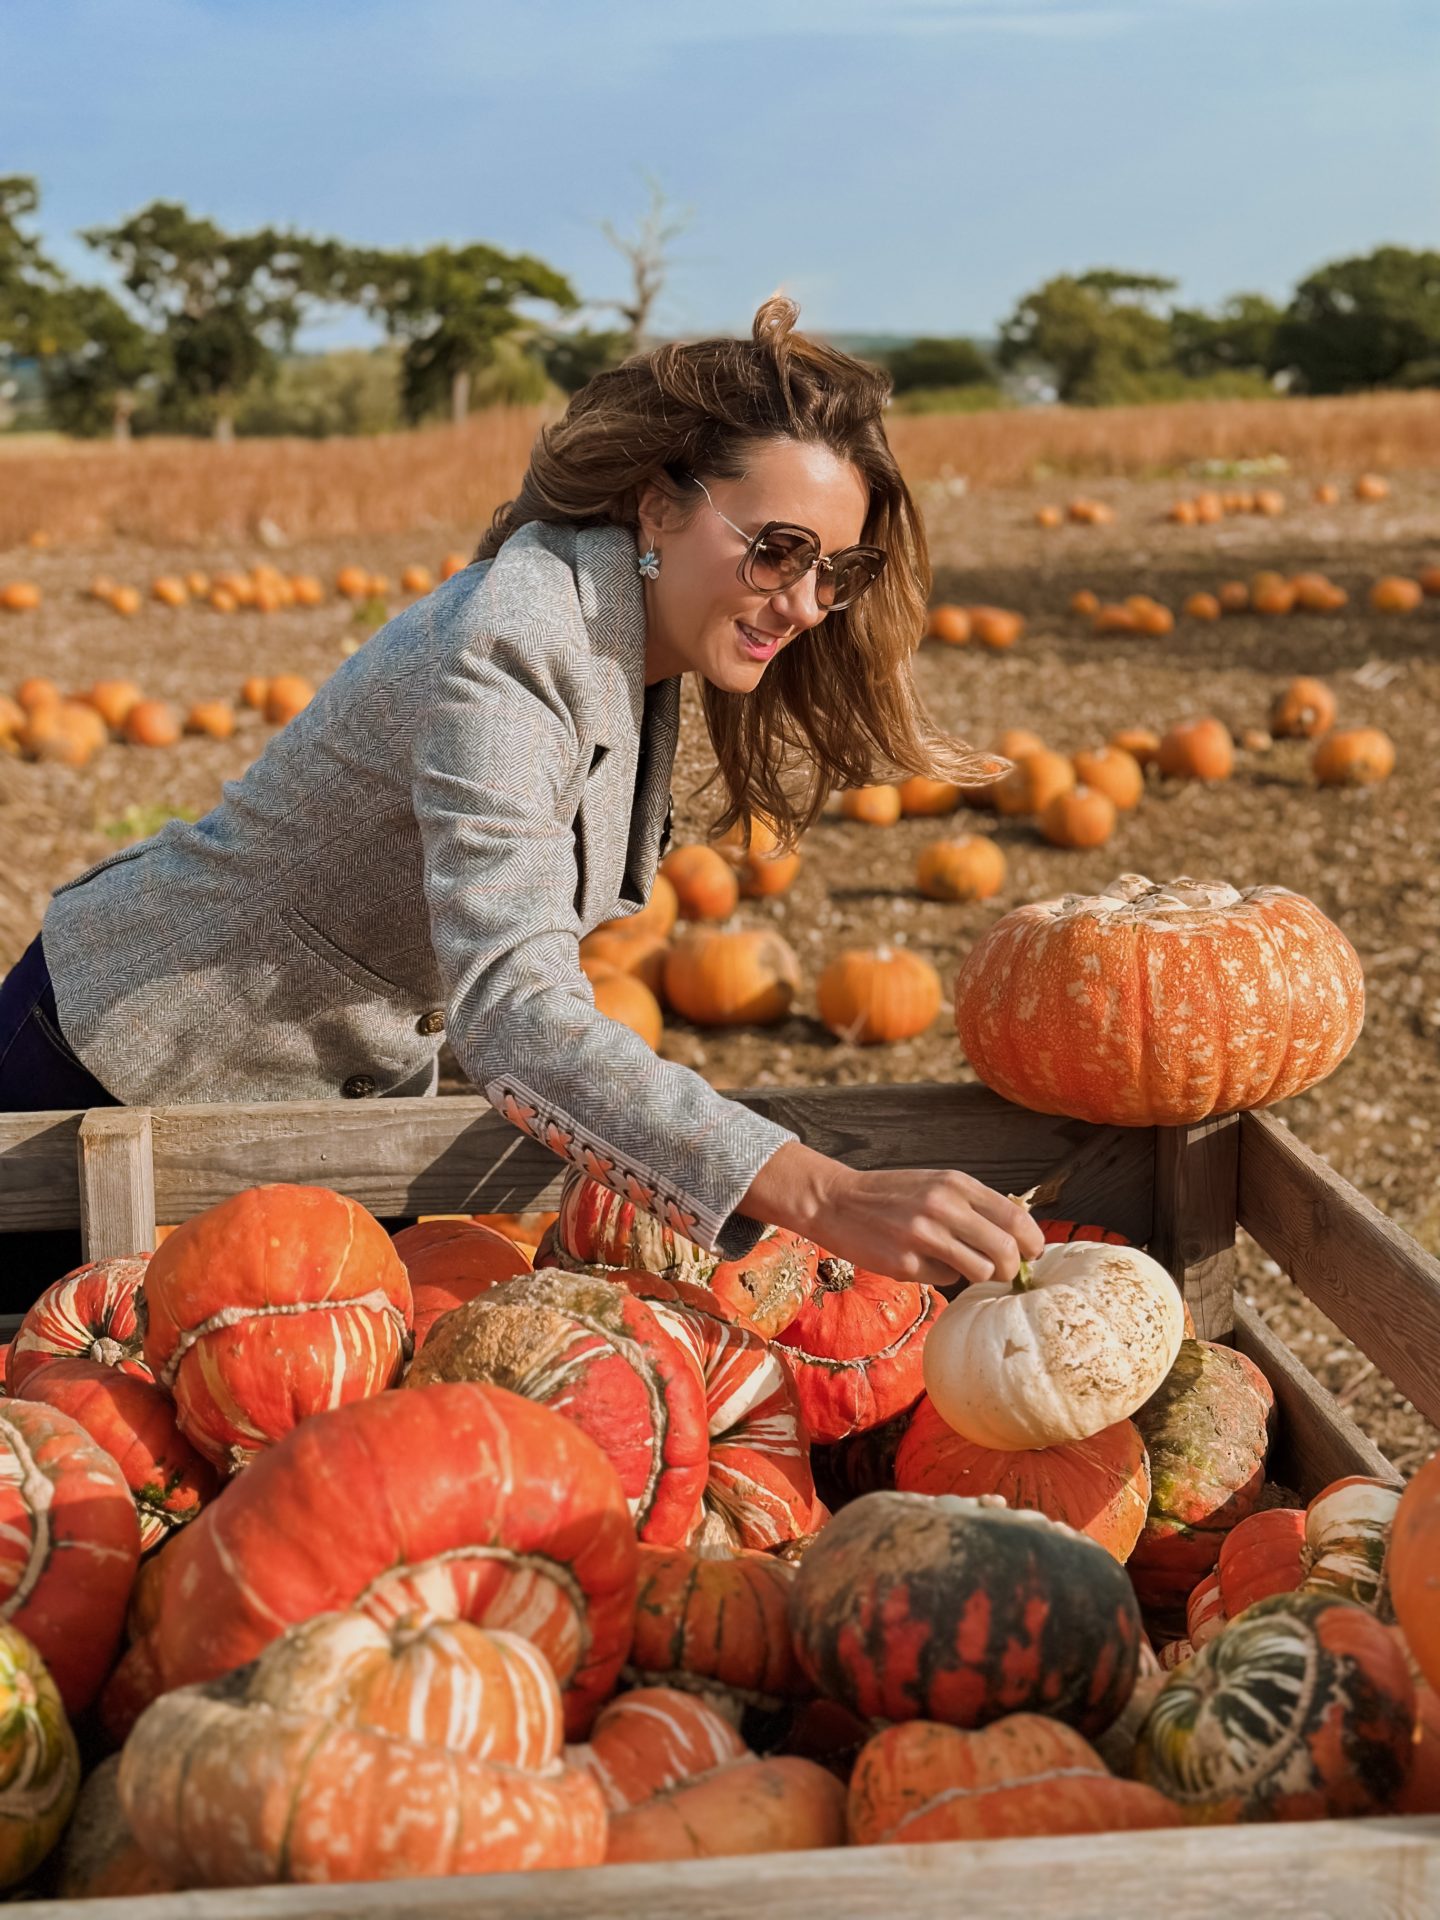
column 39, row 1173
column 1386, row 1869
column 1317, row 1441
column 1194, row 1234
column 454, row 1155
column 117, row 1182
column 1367, row 1274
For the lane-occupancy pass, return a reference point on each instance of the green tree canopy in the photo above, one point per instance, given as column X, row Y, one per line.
column 1096, row 331
column 931, row 362
column 29, row 282
column 1238, row 338
column 96, row 363
column 451, row 306
column 573, row 359
column 1372, row 321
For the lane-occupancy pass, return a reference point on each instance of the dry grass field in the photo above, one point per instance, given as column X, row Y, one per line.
column 1369, row 858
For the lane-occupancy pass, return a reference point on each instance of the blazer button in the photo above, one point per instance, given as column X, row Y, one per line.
column 359, row 1086
column 432, row 1022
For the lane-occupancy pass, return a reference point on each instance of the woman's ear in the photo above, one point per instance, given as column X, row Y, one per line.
column 656, row 510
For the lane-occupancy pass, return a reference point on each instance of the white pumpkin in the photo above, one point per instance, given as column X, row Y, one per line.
column 1079, row 1340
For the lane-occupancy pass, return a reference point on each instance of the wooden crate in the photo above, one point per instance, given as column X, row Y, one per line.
column 1181, row 1191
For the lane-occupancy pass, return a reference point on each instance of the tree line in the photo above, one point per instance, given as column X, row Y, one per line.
column 209, row 318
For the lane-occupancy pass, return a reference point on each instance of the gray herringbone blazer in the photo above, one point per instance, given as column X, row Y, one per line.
column 421, row 850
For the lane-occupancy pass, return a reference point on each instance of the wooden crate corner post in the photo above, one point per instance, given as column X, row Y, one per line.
column 1197, row 1183
column 117, row 1182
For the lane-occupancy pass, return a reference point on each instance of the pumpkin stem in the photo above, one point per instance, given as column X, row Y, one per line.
column 834, row 1275
column 1021, row 1282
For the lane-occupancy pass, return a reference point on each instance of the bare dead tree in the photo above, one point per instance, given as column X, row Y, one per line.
column 648, row 257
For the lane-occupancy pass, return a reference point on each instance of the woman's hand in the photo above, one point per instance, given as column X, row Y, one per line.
column 937, row 1227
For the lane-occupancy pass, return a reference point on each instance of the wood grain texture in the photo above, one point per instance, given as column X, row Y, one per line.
column 437, row 1156
column 1387, row 1869
column 1367, row 1274
column 1317, row 1441
column 1196, row 1179
column 39, row 1171
column 117, row 1182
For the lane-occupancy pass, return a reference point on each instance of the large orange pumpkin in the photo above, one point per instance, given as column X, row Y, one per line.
column 875, row 996
column 1157, row 1005
column 745, row 978
column 269, row 1306
column 1412, row 1567
column 1353, row 757
column 450, row 1262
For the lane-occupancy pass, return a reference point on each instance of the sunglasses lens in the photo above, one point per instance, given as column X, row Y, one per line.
column 852, row 575
column 778, row 558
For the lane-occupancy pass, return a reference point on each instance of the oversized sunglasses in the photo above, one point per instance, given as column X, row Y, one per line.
column 780, row 554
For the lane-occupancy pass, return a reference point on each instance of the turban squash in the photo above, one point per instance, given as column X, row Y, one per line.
column 450, row 1262
column 715, row 1626
column 1413, row 1567
column 854, row 1351
column 1158, row 1005
column 460, row 1500
column 39, row 1762
column 653, row 1739
column 89, row 1314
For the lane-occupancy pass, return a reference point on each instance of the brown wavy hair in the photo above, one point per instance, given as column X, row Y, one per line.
column 840, row 710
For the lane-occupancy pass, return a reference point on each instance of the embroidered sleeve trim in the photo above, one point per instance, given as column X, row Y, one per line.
column 545, row 1124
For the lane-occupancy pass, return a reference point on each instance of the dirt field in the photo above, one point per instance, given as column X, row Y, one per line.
column 1369, row 859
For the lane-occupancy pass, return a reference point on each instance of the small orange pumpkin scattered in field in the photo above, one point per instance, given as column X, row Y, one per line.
column 1049, row 518
column 68, row 733
column 1238, row 502
column 1141, row 743
column 151, row 723
column 377, row 585
column 39, row 540
column 1090, row 513
column 1269, row 501
column 760, row 867
column 1084, row 602
column 307, row 590
column 170, row 590
column 1033, row 782
column 972, row 868
column 996, row 627
column 20, row 596
column 417, row 579
column 239, row 586
column 285, row 696
column 222, row 600
column 719, row 979
column 658, row 915
column 112, row 700
column 126, row 601
column 1150, row 616
column 267, row 597
column 1371, row 486
column 1083, row 817
column 1327, row 494
column 1271, row 593
column 1353, row 757
column 1316, row 593
column 1395, row 593
column 12, row 715
column 1114, row 617
column 213, row 717
column 705, row 884
column 1234, row 596
column 1112, row 771
column 197, row 584
column 1302, row 710
column 626, row 998
column 950, row 624
column 1201, row 606
column 877, row 806
column 1209, row 509
column 255, row 692
column 101, row 587
column 353, row 582
column 1011, row 742
column 875, row 996
column 1199, row 749
column 36, row 691
column 627, row 948
column 1182, row 513
column 452, row 564
column 922, row 796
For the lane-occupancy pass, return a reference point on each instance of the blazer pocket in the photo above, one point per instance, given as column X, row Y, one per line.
column 322, row 948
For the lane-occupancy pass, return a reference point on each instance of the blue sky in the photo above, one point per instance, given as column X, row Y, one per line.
column 896, row 165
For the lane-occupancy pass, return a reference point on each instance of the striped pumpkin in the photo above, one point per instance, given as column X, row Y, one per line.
column 276, row 1303
column 1301, row 1709
column 854, row 1350
column 715, row 1626
column 1099, row 1486
column 39, row 1763
column 1261, row 1555
column 595, row 1227
column 88, row 1314
column 462, row 1501
column 69, row 1545
column 1206, row 1431
column 650, row 1740
column 1024, row 1775
column 1347, row 1535
column 913, row 1606
column 596, row 1354
column 133, row 1419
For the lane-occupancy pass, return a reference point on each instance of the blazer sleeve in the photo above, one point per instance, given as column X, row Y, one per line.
column 494, row 757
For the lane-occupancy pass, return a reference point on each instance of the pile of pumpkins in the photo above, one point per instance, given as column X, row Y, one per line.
column 262, row 588
column 366, row 1557
column 41, row 723
column 1267, row 592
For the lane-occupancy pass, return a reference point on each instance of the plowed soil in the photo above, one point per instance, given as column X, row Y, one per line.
column 1368, row 858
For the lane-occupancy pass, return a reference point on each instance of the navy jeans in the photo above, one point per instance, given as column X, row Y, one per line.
column 38, row 1073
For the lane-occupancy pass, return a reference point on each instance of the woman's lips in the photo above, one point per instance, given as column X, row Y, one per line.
column 758, row 646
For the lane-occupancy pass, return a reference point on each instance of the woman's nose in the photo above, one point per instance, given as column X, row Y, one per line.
column 799, row 603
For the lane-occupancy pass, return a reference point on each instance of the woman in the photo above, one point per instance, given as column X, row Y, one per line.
column 422, row 849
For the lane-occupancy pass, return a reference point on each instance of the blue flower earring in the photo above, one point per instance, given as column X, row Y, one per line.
column 648, row 565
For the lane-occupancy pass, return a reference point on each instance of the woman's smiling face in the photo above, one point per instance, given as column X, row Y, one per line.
column 700, row 616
